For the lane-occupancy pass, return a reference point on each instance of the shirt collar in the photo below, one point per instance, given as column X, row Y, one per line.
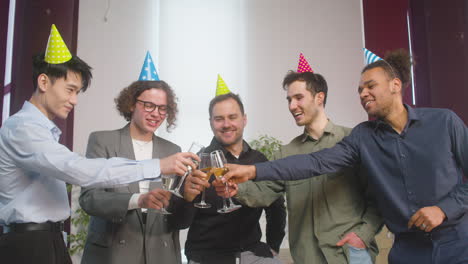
column 329, row 129
column 215, row 143
column 412, row 116
column 41, row 118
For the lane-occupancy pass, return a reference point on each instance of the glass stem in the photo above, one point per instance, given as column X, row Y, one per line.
column 227, row 194
column 203, row 197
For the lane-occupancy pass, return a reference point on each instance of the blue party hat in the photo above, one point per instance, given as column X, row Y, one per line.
column 148, row 71
column 370, row 56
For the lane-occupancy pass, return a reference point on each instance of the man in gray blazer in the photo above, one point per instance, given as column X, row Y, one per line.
column 122, row 228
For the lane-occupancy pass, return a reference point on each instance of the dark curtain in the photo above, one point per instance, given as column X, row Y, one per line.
column 385, row 29
column 440, row 47
column 32, row 27
column 439, row 32
column 33, row 20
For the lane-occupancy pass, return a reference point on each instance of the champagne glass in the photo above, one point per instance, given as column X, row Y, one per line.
column 205, row 166
column 168, row 182
column 195, row 148
column 217, row 161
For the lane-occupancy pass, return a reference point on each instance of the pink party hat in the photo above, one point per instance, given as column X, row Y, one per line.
column 303, row 65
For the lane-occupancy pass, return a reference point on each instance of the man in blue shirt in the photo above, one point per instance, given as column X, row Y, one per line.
column 415, row 160
column 34, row 166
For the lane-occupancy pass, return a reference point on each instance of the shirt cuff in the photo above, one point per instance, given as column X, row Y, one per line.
column 151, row 169
column 448, row 206
column 261, row 171
column 133, row 202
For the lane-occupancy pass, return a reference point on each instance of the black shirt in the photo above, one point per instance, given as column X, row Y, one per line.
column 217, row 238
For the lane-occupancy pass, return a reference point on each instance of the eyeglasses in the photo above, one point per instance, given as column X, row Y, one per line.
column 150, row 107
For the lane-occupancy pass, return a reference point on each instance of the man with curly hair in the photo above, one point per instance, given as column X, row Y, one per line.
column 34, row 166
column 122, row 229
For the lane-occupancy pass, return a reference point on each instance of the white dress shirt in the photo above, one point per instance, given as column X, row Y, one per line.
column 143, row 150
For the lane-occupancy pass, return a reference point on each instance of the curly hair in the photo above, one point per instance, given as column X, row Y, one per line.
column 126, row 100
column 396, row 64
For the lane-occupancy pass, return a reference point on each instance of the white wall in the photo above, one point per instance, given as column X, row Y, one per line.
column 116, row 49
column 251, row 43
column 329, row 34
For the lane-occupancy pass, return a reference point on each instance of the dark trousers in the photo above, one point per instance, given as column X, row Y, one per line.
column 447, row 246
column 39, row 247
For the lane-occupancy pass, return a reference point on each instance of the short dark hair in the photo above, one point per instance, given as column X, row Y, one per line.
column 128, row 96
column 396, row 64
column 57, row 71
column 315, row 83
column 225, row 97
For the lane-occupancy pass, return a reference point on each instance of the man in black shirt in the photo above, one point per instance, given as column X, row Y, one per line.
column 221, row 238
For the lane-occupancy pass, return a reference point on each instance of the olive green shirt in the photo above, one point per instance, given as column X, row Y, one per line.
column 321, row 210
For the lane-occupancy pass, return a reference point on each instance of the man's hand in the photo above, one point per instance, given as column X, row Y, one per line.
column 353, row 240
column 220, row 188
column 240, row 173
column 177, row 163
column 155, row 199
column 194, row 185
column 427, row 218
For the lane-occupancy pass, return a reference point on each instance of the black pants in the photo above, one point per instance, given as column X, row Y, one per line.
column 39, row 247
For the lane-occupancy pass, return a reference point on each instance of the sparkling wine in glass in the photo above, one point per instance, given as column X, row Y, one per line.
column 194, row 148
column 168, row 183
column 217, row 161
column 205, row 166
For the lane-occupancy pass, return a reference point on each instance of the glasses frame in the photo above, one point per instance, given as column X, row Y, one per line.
column 150, row 107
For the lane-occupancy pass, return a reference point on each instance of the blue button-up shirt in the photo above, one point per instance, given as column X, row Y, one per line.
column 34, row 168
column 422, row 166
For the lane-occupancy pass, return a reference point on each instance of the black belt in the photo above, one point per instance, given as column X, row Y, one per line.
column 26, row 227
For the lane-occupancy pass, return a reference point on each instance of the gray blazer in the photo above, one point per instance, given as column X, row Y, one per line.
column 116, row 234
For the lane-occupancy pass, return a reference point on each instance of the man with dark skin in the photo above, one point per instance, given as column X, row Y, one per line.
column 415, row 159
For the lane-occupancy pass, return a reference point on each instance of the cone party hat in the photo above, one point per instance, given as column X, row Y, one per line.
column 148, row 70
column 370, row 56
column 303, row 65
column 221, row 87
column 56, row 51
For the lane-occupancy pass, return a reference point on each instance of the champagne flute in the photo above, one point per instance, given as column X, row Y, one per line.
column 168, row 182
column 195, row 148
column 205, row 166
column 217, row 161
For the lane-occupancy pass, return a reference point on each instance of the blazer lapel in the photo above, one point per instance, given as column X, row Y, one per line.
column 126, row 151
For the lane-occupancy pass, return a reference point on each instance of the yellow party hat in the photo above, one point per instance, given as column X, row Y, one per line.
column 221, row 87
column 56, row 51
